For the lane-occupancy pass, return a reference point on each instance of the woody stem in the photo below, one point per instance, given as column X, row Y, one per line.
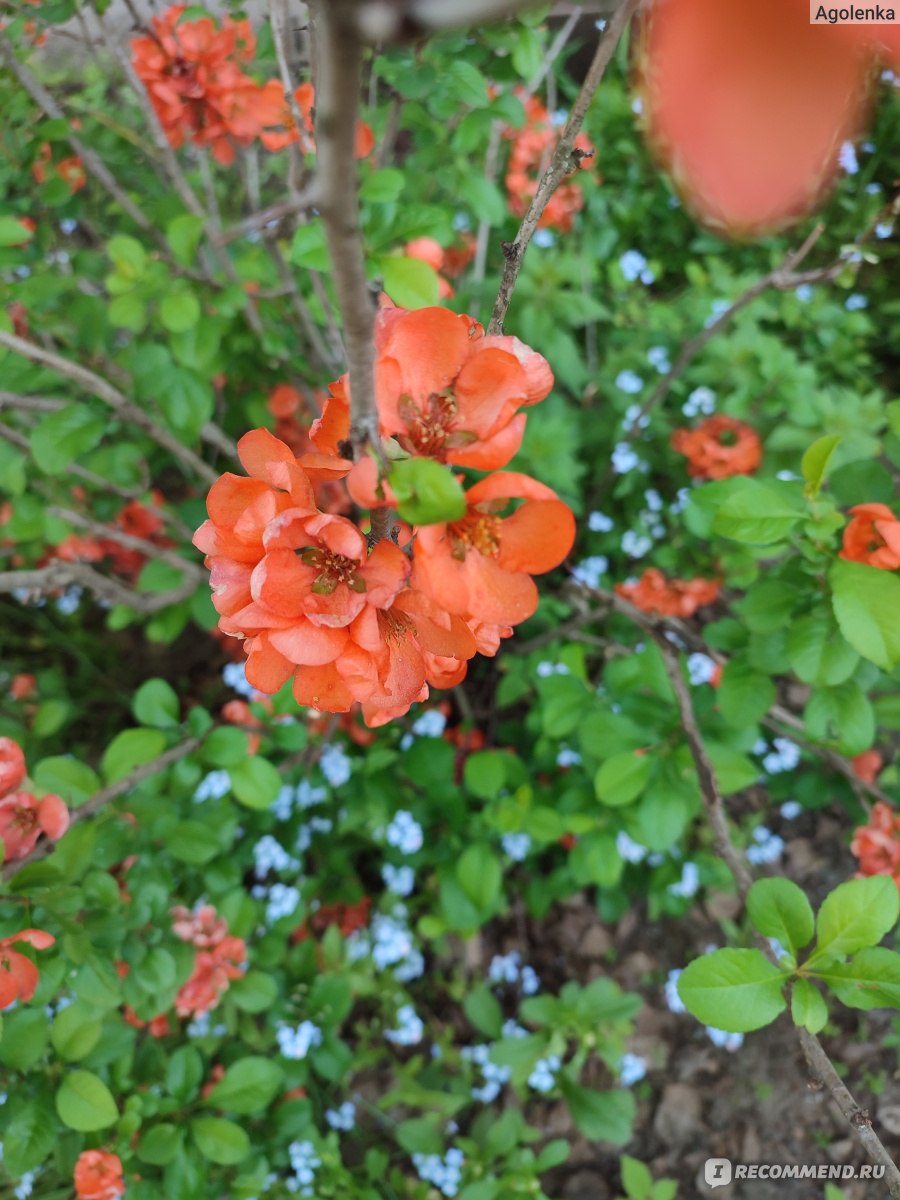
column 338, row 54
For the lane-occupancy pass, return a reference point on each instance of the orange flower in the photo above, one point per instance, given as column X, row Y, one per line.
column 653, row 593
column 532, row 149
column 98, row 1176
column 283, row 401
column 191, row 73
column 12, row 765
column 221, row 958
column 718, row 448
column 445, row 390
column 305, row 97
column 21, row 687
column 72, row 171
column 866, row 766
column 877, row 845
column 872, row 537
column 23, row 818
column 749, row 116
column 481, row 565
column 19, row 976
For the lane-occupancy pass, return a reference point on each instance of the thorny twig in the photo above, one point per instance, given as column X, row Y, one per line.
column 562, row 163
column 59, row 575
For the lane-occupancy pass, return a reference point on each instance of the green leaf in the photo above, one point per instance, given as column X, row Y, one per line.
column 255, row 783
column 220, row 1141
column 755, row 513
column 779, row 909
column 128, row 256
column 817, row 652
column 595, row 860
column 420, row 1135
column 636, row 1178
column 156, row 703
column 427, row 492
column 179, row 311
column 85, row 1103
column 866, row 602
column 601, row 1116
column 816, row 461
column 480, row 875
column 871, row 979
column 622, row 778
column 744, row 694
column 382, row 187
column 483, row 1010
column 808, row 1007
column 127, row 311
column 73, row 780
column 308, row 248
column 484, row 773
column 13, row 232
column 183, row 235
column 29, row 1138
column 409, row 282
column 25, row 1038
column 129, row 749
column 248, row 1086
column 65, row 435
column 842, row 715
column 734, row 990
column 75, row 1032
column 856, row 914
column 470, row 85
column 160, row 1144
column 254, row 992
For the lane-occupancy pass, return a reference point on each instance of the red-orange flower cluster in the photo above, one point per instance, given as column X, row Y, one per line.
column 98, row 1176
column 220, row 958
column 872, row 536
column 653, row 593
column 135, row 519
column 192, row 70
column 532, row 148
column 23, row 817
column 353, row 618
column 877, row 844
column 719, row 447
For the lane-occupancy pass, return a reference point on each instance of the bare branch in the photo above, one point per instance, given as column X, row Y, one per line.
column 274, row 212
column 563, row 161
column 58, row 574
column 338, row 56
column 103, row 390
column 149, row 549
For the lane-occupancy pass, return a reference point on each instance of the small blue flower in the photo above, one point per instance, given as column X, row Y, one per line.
column 630, row 382
column 599, row 522
column 632, row 1069
column 856, row 301
column 590, row 570
column 516, row 845
column 335, row 765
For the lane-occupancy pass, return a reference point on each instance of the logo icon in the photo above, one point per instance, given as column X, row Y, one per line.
column 717, row 1171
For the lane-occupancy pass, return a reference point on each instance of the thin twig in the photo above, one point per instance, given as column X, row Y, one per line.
column 266, row 216
column 59, row 575
column 112, row 792
column 338, row 56
column 104, row 390
column 142, row 545
column 378, row 23
column 562, row 163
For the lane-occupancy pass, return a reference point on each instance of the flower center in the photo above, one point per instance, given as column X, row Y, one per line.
column 394, row 626
column 428, row 426
column 727, row 437
column 334, row 569
column 476, row 531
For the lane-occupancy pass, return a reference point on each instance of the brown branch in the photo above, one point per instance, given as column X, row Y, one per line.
column 274, row 212
column 59, row 574
column 105, row 795
column 338, row 57
column 562, row 163
column 104, row 390
column 149, row 549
